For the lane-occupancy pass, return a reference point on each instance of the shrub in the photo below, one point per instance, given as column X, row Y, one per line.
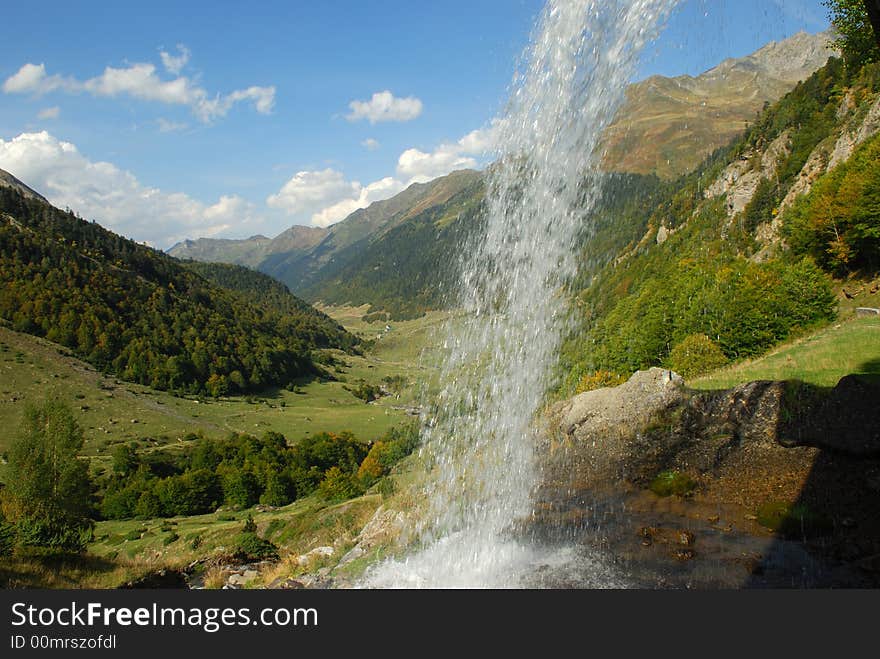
column 48, row 490
column 171, row 537
column 695, row 355
column 668, row 483
column 134, row 534
column 7, row 536
column 251, row 547
column 598, row 380
column 366, row 392
column 339, row 485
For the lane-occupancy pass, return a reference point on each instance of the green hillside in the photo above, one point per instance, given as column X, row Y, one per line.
column 138, row 313
column 714, row 278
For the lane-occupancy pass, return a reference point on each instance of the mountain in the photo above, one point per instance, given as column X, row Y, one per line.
column 406, row 269
column 143, row 315
column 7, row 180
column 251, row 251
column 299, row 256
column 743, row 252
column 667, row 126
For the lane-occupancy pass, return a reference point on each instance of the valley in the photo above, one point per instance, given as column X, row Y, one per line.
column 660, row 371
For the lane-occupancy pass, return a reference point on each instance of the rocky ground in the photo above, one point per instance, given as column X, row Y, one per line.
column 768, row 484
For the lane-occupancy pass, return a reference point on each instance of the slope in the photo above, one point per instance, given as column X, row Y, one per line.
column 136, row 312
column 669, row 125
column 740, row 255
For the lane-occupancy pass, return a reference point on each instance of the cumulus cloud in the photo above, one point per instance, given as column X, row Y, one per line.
column 49, row 113
column 322, row 198
column 377, row 191
column 309, row 191
column 174, row 63
column 370, row 144
column 113, row 197
column 32, row 78
column 384, row 106
column 325, row 197
column 419, row 166
column 140, row 81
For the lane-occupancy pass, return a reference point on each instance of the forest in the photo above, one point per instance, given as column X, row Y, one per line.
column 135, row 312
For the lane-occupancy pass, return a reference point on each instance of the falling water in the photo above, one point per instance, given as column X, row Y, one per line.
column 498, row 362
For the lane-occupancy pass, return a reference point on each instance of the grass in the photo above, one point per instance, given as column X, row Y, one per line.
column 820, row 359
column 111, row 411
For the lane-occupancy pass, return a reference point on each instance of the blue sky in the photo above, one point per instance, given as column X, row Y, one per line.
column 178, row 120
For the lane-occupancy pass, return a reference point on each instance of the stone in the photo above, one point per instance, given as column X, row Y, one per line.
column 662, row 235
column 314, row 555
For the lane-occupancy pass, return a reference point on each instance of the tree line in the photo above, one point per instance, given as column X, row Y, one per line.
column 51, row 500
column 133, row 311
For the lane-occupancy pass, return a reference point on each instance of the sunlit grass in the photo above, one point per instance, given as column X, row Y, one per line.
column 821, row 359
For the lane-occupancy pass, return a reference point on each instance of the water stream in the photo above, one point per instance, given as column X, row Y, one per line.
column 479, row 440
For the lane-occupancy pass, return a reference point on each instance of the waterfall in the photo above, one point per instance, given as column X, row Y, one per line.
column 499, row 354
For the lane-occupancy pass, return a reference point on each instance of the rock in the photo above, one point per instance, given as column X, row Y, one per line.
column 315, row 554
column 846, row 419
column 593, row 436
column 662, row 235
column 386, row 527
column 685, row 554
column 236, row 580
column 287, row 583
column 628, row 405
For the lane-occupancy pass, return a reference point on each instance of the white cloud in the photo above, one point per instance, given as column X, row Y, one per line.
column 384, row 106
column 377, row 191
column 141, row 81
column 310, row 191
column 322, row 198
column 174, row 63
column 32, row 78
column 418, row 166
column 370, row 144
column 49, row 113
column 325, row 197
column 102, row 192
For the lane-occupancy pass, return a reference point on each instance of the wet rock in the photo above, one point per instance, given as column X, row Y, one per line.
column 685, row 554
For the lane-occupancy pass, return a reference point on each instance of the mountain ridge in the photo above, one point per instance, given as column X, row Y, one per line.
column 667, row 126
